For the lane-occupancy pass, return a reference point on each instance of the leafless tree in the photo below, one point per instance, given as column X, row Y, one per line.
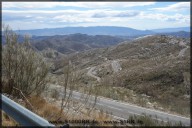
column 68, row 86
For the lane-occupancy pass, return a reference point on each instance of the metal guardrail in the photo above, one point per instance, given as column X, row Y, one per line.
column 22, row 115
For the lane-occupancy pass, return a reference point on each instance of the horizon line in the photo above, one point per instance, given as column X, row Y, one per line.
column 97, row 26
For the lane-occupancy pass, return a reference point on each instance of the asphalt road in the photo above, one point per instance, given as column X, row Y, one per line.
column 123, row 110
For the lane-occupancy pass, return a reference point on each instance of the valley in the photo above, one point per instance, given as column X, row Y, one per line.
column 143, row 75
column 96, row 64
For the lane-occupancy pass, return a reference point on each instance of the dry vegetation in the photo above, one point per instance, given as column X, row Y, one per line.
column 151, row 67
column 148, row 121
column 50, row 110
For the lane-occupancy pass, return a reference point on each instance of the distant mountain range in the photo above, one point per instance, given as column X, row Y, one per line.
column 99, row 30
column 60, row 39
column 168, row 30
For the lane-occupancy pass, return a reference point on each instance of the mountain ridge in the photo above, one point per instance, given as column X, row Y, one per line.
column 95, row 30
column 98, row 30
column 169, row 30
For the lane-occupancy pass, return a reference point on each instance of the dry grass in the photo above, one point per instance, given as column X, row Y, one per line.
column 46, row 110
column 52, row 112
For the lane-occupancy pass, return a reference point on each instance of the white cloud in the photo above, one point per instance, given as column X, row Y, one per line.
column 97, row 14
column 89, row 16
column 38, row 5
column 110, row 13
column 162, row 17
column 67, row 15
column 174, row 7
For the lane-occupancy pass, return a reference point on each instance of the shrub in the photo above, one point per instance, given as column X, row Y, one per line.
column 22, row 67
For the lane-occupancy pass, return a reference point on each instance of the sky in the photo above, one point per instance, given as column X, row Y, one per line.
column 138, row 15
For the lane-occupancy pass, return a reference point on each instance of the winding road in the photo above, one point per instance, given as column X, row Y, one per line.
column 114, row 64
column 92, row 73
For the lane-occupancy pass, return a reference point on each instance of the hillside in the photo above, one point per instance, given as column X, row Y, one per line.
column 150, row 71
column 74, row 42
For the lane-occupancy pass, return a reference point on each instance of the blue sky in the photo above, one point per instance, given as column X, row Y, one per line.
column 138, row 15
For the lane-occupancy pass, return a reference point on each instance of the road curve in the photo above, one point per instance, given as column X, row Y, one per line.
column 91, row 74
column 124, row 110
